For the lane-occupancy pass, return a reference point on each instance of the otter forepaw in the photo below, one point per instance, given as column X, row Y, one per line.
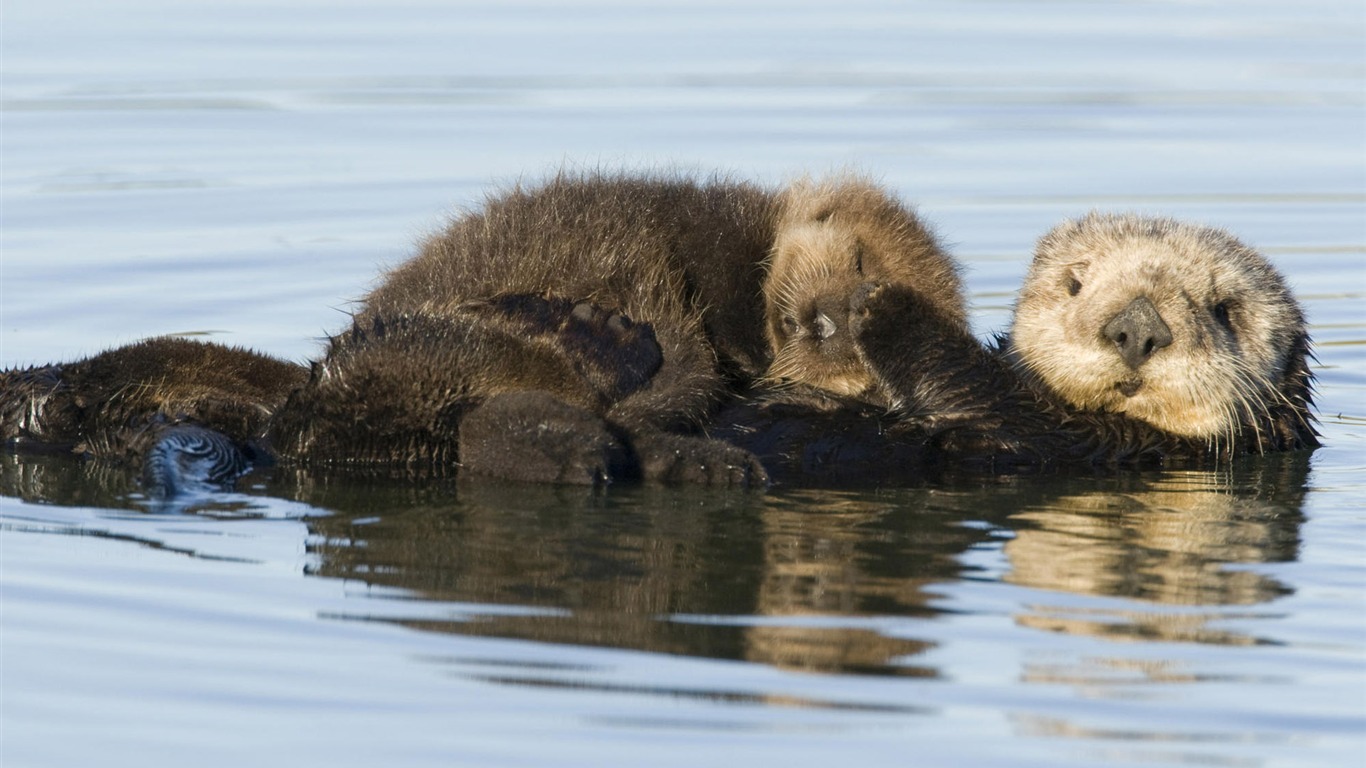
column 863, row 304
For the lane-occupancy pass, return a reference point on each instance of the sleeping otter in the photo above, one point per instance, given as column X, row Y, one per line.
column 831, row 237
column 689, row 260
column 1136, row 341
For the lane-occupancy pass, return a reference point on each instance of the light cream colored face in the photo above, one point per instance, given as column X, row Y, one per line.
column 1231, row 320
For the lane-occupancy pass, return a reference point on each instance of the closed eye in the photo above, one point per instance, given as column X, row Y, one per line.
column 1221, row 315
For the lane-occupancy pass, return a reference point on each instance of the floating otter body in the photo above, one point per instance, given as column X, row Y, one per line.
column 1136, row 341
column 690, row 261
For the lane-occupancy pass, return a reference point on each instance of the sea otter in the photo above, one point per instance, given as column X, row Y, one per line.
column 1135, row 341
column 198, row 414
column 832, row 236
column 690, row 260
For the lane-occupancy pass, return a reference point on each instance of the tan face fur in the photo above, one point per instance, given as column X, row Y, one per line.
column 833, row 236
column 1181, row 326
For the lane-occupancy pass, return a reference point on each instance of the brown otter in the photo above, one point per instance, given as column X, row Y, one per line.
column 831, row 237
column 415, row 390
column 690, row 260
column 1135, row 341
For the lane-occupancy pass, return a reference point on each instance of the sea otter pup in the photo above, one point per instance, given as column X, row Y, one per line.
column 1136, row 341
column 831, row 237
column 689, row 260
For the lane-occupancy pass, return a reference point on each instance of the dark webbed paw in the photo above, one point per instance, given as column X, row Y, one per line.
column 532, row 437
column 610, row 350
column 687, row 460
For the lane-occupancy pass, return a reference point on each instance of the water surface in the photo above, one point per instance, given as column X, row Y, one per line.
column 242, row 170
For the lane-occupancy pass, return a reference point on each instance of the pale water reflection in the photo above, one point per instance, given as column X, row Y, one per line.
column 243, row 169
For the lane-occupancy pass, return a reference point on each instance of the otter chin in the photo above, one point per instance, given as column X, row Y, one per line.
column 831, row 237
column 1180, row 326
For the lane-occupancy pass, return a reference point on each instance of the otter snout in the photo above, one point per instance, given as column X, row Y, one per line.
column 1137, row 331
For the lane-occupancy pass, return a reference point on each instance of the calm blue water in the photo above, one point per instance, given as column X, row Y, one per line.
column 244, row 168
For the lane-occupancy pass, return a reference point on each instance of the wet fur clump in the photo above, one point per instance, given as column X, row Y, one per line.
column 831, row 237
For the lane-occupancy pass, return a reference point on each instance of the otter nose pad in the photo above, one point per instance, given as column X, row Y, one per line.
column 1138, row 331
column 823, row 327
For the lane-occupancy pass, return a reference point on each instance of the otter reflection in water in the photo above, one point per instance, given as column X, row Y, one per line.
column 821, row 581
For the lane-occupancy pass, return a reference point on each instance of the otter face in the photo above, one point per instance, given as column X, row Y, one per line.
column 833, row 237
column 1183, row 327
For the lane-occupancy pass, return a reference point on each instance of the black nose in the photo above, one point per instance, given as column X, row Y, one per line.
column 1138, row 331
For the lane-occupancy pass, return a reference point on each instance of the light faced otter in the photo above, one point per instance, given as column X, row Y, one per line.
column 1171, row 308
column 1182, row 327
column 831, row 237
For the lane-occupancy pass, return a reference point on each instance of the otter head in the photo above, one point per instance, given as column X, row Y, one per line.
column 1181, row 326
column 833, row 236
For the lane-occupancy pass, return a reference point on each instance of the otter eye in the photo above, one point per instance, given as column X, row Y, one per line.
column 790, row 326
column 1073, row 286
column 1220, row 312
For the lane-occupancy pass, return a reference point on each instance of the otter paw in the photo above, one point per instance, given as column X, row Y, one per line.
column 862, row 305
column 684, row 460
column 533, row 437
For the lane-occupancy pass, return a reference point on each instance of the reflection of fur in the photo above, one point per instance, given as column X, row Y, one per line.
column 1168, row 541
column 832, row 237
